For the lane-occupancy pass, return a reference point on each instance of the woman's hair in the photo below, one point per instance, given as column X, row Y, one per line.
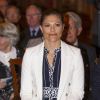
column 75, row 17
column 51, row 12
column 10, row 31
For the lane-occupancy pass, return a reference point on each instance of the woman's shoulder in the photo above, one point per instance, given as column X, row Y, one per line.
column 70, row 47
column 35, row 49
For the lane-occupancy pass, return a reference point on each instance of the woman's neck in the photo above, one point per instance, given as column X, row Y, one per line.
column 51, row 46
column 8, row 49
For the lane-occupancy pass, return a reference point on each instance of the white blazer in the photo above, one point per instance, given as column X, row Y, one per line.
column 71, row 85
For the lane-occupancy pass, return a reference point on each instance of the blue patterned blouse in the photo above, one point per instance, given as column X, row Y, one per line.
column 51, row 75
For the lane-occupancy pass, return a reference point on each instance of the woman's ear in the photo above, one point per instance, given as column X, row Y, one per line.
column 41, row 28
column 63, row 26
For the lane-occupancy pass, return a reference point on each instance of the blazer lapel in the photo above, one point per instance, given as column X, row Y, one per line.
column 65, row 65
column 38, row 70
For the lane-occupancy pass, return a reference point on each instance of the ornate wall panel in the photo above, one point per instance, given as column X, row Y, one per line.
column 79, row 5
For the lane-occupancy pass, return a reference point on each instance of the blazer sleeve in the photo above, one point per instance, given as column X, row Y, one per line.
column 76, row 90
column 27, row 78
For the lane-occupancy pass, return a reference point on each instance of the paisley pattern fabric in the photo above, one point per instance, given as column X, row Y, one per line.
column 5, row 75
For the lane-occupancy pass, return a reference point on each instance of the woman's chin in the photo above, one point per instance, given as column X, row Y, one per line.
column 53, row 40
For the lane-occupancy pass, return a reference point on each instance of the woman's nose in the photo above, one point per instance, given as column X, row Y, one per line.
column 52, row 28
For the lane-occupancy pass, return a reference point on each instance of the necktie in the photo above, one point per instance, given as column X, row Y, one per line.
column 33, row 34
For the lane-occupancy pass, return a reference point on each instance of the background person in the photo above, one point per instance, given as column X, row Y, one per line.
column 32, row 31
column 9, row 36
column 73, row 28
column 3, row 6
column 13, row 14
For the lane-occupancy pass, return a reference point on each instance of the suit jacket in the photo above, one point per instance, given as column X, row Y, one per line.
column 89, row 56
column 96, row 82
column 96, row 23
column 86, row 71
column 27, row 37
column 71, row 85
column 91, row 52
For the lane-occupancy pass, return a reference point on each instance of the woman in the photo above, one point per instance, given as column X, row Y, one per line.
column 52, row 70
column 8, row 38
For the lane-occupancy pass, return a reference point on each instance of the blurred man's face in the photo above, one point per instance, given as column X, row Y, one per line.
column 13, row 15
column 33, row 16
column 73, row 32
column 3, row 6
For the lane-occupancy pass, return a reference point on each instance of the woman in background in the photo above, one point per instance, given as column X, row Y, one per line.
column 9, row 36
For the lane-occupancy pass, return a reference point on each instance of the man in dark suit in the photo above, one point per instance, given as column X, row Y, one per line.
column 96, row 24
column 33, row 16
column 72, row 31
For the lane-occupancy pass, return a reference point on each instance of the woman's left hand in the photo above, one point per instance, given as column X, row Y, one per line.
column 2, row 84
column 12, row 96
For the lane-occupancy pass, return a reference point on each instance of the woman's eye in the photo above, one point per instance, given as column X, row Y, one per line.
column 46, row 25
column 58, row 24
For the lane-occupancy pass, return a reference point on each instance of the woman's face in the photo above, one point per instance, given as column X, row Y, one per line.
column 4, row 44
column 52, row 28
